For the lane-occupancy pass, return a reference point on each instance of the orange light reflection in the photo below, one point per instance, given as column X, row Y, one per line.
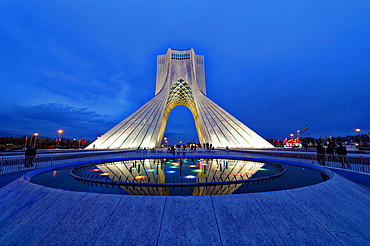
column 140, row 177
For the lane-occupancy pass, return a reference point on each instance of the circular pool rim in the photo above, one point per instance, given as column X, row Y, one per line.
column 171, row 185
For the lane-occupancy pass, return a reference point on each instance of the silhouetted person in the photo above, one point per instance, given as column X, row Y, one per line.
column 320, row 154
column 27, row 156
column 330, row 152
column 33, row 155
column 342, row 152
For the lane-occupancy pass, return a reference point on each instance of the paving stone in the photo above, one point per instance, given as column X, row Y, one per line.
column 351, row 190
column 242, row 221
column 135, row 221
column 14, row 190
column 23, row 202
column 189, row 221
column 356, row 207
column 344, row 228
column 41, row 219
column 293, row 223
column 81, row 226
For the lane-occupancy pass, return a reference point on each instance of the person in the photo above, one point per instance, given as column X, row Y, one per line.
column 33, row 155
column 27, row 157
column 330, row 152
column 320, row 154
column 342, row 152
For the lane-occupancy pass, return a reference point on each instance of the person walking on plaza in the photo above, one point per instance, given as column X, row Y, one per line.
column 27, row 155
column 320, row 154
column 342, row 153
column 33, row 155
column 330, row 152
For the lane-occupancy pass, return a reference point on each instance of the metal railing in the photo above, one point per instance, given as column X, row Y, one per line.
column 22, row 163
column 348, row 162
column 17, row 164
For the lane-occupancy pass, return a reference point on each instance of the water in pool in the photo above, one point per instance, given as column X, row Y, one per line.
column 213, row 173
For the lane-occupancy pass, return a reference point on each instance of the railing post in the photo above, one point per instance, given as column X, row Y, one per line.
column 1, row 165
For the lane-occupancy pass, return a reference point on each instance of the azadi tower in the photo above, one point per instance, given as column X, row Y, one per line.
column 180, row 81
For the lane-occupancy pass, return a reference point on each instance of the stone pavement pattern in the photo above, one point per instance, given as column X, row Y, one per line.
column 335, row 212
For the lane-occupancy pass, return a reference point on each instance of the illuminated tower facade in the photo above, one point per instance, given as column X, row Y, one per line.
column 180, row 81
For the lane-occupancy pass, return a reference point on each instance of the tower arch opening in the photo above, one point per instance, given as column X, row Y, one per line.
column 180, row 126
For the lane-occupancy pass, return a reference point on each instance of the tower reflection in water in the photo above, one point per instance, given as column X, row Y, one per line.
column 182, row 176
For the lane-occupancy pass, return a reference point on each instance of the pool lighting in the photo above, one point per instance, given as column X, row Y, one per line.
column 190, row 177
column 95, row 170
column 104, row 174
column 263, row 169
column 173, row 167
column 150, row 170
column 193, row 166
column 171, row 171
column 140, row 177
column 197, row 170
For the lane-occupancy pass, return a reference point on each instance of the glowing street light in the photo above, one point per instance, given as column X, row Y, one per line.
column 359, row 136
column 35, row 134
column 60, row 132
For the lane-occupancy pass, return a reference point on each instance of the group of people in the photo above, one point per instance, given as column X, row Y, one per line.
column 29, row 155
column 332, row 149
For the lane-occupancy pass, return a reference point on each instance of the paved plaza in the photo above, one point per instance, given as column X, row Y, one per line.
column 335, row 212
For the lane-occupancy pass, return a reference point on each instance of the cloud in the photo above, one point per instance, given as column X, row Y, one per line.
column 46, row 119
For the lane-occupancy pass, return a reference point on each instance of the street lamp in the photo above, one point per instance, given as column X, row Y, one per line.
column 35, row 134
column 60, row 132
column 359, row 136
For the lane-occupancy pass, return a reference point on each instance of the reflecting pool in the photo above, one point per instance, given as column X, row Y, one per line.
column 180, row 176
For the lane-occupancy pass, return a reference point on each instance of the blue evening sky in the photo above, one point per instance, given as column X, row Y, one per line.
column 277, row 66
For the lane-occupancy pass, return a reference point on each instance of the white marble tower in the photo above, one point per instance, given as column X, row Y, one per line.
column 180, row 81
